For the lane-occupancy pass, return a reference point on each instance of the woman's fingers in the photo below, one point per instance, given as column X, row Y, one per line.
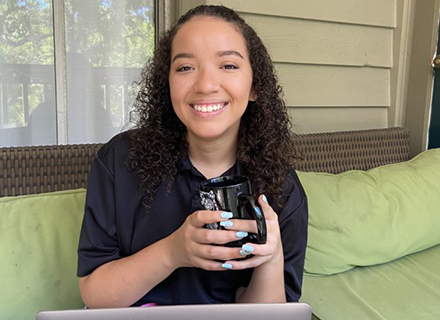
column 206, row 246
column 250, row 225
column 232, row 258
column 245, row 264
column 235, row 254
column 200, row 218
column 261, row 250
column 269, row 214
column 207, row 236
column 218, row 253
column 262, row 253
column 242, row 225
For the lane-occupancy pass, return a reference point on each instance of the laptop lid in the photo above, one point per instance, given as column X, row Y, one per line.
column 277, row 311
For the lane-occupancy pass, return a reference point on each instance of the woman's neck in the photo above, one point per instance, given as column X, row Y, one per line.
column 212, row 157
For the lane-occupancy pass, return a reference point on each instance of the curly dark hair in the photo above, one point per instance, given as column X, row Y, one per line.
column 265, row 144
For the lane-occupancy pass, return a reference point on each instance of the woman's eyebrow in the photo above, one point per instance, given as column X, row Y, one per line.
column 228, row 53
column 182, row 55
column 219, row 53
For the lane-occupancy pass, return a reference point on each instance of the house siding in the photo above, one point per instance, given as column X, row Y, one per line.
column 333, row 58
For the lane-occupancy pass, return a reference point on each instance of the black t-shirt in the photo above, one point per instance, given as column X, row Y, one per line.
column 117, row 225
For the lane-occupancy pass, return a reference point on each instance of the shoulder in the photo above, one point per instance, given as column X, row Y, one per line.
column 119, row 143
column 293, row 185
column 113, row 154
column 293, row 198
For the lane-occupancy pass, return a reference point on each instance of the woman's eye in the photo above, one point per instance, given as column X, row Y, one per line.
column 229, row 67
column 184, row 68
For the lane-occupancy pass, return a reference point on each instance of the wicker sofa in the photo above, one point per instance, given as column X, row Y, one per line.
column 32, row 170
column 33, row 173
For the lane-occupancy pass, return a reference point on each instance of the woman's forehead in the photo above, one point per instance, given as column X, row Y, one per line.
column 206, row 30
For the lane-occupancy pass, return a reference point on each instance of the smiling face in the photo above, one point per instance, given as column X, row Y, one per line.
column 210, row 78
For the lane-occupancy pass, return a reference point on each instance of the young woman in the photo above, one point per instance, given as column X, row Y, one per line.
column 209, row 106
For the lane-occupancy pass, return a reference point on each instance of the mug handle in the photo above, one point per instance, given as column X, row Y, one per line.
column 254, row 210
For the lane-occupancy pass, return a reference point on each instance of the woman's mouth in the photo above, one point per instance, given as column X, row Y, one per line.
column 208, row 107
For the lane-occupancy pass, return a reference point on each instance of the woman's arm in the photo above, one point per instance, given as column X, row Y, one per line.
column 122, row 282
column 266, row 285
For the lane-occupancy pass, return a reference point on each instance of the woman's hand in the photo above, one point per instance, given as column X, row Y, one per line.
column 270, row 252
column 196, row 246
column 267, row 282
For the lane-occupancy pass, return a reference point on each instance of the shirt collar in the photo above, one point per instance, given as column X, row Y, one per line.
column 186, row 165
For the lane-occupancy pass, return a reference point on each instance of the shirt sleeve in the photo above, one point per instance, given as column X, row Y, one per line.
column 293, row 219
column 98, row 243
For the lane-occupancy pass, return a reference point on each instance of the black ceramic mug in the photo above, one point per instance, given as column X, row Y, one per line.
column 234, row 194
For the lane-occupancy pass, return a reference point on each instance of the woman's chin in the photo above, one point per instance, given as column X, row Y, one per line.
column 208, row 135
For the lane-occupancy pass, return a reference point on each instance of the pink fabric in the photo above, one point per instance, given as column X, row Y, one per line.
column 150, row 304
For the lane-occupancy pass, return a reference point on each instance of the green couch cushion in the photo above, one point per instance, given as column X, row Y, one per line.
column 38, row 243
column 362, row 218
column 406, row 289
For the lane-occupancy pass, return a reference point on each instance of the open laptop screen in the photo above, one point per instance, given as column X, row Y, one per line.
column 276, row 311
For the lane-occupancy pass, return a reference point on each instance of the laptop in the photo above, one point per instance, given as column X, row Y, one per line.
column 278, row 311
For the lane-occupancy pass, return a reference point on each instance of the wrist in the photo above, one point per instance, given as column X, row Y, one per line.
column 171, row 258
column 276, row 261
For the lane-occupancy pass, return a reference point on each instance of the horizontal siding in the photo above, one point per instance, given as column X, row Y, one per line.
column 334, row 86
column 300, row 41
column 311, row 120
column 366, row 12
column 333, row 58
column 184, row 5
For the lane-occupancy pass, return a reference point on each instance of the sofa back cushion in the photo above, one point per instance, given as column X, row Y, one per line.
column 38, row 243
column 363, row 218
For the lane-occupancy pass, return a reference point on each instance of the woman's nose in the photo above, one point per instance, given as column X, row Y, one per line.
column 207, row 81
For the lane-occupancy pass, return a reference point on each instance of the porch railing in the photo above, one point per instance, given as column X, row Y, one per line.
column 25, row 75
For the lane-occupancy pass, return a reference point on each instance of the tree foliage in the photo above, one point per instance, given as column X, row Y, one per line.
column 107, row 33
column 26, row 32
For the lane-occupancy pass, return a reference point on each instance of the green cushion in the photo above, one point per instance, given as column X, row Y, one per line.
column 406, row 289
column 362, row 218
column 38, row 243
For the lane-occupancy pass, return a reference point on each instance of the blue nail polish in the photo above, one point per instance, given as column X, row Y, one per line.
column 227, row 265
column 264, row 199
column 248, row 248
column 226, row 223
column 226, row 215
column 243, row 253
column 241, row 234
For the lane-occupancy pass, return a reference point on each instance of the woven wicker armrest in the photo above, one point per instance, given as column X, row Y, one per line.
column 28, row 170
column 336, row 152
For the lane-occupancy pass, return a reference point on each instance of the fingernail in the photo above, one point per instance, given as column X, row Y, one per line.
column 248, row 248
column 264, row 199
column 243, row 253
column 227, row 265
column 226, row 223
column 241, row 234
column 226, row 215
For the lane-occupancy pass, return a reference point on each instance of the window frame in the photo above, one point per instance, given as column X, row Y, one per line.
column 164, row 14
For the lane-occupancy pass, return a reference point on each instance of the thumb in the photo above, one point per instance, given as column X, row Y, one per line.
column 267, row 209
column 262, row 200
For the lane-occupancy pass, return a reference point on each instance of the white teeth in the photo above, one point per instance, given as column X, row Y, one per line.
column 208, row 108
